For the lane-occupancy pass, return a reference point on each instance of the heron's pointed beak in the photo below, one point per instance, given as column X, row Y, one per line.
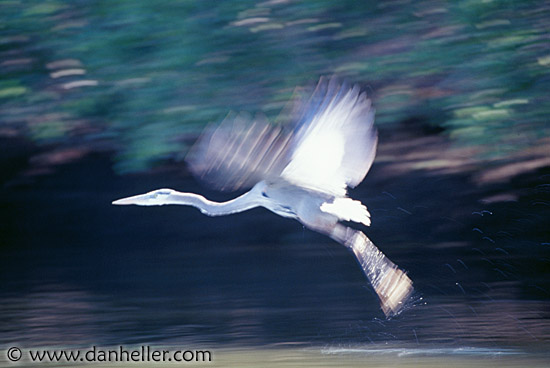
column 129, row 200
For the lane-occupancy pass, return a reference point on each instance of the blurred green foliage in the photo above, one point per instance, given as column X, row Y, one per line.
column 143, row 77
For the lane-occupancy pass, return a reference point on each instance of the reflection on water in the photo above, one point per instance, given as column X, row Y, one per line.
column 329, row 314
column 333, row 309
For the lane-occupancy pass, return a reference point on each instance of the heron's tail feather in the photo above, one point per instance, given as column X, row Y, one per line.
column 348, row 209
column 391, row 284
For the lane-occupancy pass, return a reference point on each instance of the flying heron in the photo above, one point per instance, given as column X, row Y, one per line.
column 300, row 171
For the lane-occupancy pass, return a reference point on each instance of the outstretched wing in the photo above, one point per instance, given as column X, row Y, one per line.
column 334, row 142
column 332, row 145
column 239, row 152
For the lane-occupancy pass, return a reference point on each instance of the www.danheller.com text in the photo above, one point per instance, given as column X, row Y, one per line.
column 108, row 354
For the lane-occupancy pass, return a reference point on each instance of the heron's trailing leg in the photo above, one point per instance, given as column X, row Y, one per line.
column 392, row 285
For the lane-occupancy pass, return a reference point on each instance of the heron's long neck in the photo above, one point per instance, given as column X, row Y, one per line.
column 210, row 208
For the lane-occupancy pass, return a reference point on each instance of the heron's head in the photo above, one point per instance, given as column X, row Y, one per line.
column 154, row 198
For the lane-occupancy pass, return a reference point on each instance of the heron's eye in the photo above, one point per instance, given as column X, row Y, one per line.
column 264, row 194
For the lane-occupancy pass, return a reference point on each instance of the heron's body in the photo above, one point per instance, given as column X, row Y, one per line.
column 300, row 174
column 292, row 201
column 316, row 210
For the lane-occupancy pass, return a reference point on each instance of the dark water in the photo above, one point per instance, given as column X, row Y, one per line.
column 76, row 271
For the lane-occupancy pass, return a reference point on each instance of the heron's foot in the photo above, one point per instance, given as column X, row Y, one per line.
column 394, row 289
column 392, row 285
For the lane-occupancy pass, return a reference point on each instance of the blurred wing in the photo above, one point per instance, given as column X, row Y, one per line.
column 239, row 152
column 334, row 142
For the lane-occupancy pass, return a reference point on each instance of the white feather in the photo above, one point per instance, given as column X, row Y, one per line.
column 348, row 209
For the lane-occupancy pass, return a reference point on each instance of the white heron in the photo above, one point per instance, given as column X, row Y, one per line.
column 300, row 172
